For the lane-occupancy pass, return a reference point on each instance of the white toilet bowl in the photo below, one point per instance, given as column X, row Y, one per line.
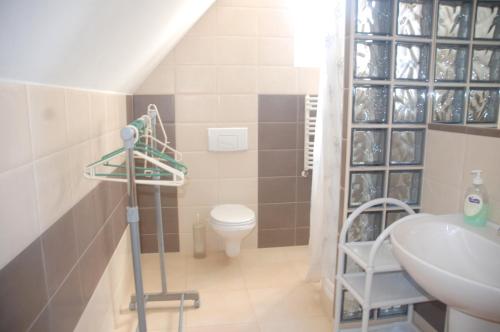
column 232, row 222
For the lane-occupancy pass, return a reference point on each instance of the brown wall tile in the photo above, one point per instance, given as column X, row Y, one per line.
column 278, row 108
column 86, row 222
column 434, row 313
column 145, row 196
column 23, row 292
column 277, row 136
column 303, row 211
column 92, row 265
column 276, row 238
column 301, row 236
column 148, row 220
column 304, row 189
column 277, row 190
column 277, row 163
column 60, row 252
column 272, row 216
column 165, row 104
column 149, row 243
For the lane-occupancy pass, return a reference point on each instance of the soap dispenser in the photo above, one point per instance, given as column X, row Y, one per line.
column 476, row 201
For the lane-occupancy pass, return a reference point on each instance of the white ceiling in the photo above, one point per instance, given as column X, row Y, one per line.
column 109, row 45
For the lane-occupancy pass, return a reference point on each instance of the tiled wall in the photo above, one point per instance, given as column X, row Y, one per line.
column 449, row 159
column 57, row 229
column 145, row 194
column 235, row 52
column 284, row 195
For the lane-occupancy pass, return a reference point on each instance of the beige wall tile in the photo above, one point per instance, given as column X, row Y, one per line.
column 237, row 108
column 53, row 186
column 278, row 80
column 160, row 81
column 188, row 215
column 238, row 164
column 207, row 24
column 19, row 223
column 195, row 50
column 192, row 137
column 79, row 157
column 236, row 51
column 236, row 80
column 98, row 107
column 276, row 51
column 195, row 108
column 236, row 21
column 444, row 157
column 255, row 3
column 114, row 108
column 479, row 155
column 195, row 79
column 275, row 23
column 440, row 198
column 308, row 80
column 47, row 120
column 202, row 165
column 237, row 191
column 198, row 192
column 77, row 115
column 16, row 137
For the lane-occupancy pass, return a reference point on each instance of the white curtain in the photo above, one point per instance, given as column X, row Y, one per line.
column 325, row 195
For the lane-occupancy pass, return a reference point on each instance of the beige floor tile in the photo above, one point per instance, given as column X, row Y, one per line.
column 221, row 308
column 300, row 301
column 277, row 275
column 251, row 327
column 263, row 256
column 316, row 324
column 215, row 272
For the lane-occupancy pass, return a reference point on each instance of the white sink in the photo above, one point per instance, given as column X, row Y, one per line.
column 456, row 263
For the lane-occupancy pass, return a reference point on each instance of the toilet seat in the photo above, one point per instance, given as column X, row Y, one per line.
column 231, row 215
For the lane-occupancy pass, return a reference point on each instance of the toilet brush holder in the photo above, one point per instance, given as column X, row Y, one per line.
column 199, row 239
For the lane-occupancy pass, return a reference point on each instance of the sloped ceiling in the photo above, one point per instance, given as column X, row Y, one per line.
column 109, row 45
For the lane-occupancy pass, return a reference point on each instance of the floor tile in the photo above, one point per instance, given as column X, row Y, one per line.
column 316, row 324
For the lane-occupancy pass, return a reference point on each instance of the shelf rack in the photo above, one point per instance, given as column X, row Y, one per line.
column 383, row 283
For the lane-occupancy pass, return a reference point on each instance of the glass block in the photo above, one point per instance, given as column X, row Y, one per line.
column 454, row 19
column 393, row 216
column 397, row 310
column 412, row 61
column 483, row 106
column 366, row 227
column 351, row 266
column 372, row 59
column 448, row 105
column 370, row 104
column 414, row 17
column 351, row 310
column 407, row 146
column 365, row 186
column 405, row 186
column 451, row 63
column 487, row 20
column 410, row 105
column 368, row 147
column 374, row 17
column 486, row 64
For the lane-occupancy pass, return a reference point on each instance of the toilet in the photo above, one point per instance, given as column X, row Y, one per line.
column 232, row 222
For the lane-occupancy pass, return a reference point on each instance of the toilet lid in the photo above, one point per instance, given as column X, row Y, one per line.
column 232, row 214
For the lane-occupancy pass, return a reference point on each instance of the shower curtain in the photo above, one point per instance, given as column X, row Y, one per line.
column 325, row 195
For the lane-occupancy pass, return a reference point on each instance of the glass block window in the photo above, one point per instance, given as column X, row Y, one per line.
column 372, row 60
column 351, row 310
column 368, row 147
column 448, row 105
column 397, row 310
column 454, row 19
column 405, row 186
column 412, row 61
column 366, row 227
column 486, row 64
column 409, row 105
column 483, row 106
column 415, row 18
column 487, row 20
column 374, row 17
column 370, row 104
column 451, row 63
column 393, row 216
column 365, row 186
column 407, row 146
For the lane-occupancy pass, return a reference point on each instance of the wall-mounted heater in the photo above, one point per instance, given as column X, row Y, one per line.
column 311, row 108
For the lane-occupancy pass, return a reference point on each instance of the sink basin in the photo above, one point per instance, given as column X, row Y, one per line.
column 456, row 263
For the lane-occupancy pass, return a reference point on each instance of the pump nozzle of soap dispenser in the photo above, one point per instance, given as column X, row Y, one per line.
column 476, row 176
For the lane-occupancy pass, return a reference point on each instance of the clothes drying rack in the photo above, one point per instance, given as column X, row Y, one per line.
column 161, row 167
